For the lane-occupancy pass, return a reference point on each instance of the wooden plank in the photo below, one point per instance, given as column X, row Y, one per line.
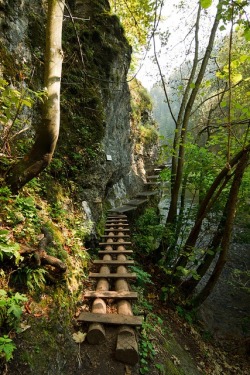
column 153, row 177
column 136, row 202
column 118, row 319
column 117, row 217
column 127, row 275
column 114, row 262
column 123, row 209
column 116, row 225
column 116, row 235
column 115, row 251
column 147, row 193
column 114, row 243
column 111, row 294
column 116, row 230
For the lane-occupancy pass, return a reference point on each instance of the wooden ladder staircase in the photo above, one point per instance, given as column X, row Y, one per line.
column 112, row 283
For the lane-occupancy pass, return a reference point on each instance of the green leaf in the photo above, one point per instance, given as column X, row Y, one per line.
column 206, row 3
column 247, row 35
column 192, row 85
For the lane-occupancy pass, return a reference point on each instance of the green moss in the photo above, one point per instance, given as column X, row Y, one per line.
column 8, row 63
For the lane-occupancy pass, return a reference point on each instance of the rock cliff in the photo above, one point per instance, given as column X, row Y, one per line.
column 97, row 152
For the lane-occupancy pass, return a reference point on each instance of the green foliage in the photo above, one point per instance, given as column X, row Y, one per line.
column 143, row 277
column 189, row 316
column 137, row 18
column 10, row 315
column 11, row 308
column 8, row 248
column 146, row 346
column 206, row 3
column 148, row 231
column 33, row 278
column 7, row 348
column 13, row 104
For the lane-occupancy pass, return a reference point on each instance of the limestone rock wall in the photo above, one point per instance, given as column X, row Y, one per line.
column 96, row 153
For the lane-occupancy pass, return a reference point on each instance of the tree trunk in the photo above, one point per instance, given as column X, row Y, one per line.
column 47, row 134
column 188, row 108
column 231, row 209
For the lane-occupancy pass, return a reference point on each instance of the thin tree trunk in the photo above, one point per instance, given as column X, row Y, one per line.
column 184, row 129
column 231, row 204
column 47, row 134
column 208, row 201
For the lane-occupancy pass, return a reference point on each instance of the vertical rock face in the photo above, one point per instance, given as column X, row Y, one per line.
column 95, row 148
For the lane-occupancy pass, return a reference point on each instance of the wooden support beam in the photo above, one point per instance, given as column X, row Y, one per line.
column 117, row 319
column 96, row 332
column 115, row 236
column 115, row 251
column 114, row 262
column 128, row 275
column 111, row 294
column 116, row 225
column 116, row 230
column 115, row 243
column 126, row 346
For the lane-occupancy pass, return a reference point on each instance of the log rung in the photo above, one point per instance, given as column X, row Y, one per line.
column 119, row 319
column 117, row 224
column 127, row 275
column 116, row 230
column 114, row 262
column 115, row 252
column 111, row 294
column 117, row 217
column 114, row 243
column 116, row 235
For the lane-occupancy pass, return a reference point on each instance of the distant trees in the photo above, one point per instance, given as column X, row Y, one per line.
column 210, row 150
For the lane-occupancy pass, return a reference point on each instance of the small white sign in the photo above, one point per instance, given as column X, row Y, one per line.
column 109, row 157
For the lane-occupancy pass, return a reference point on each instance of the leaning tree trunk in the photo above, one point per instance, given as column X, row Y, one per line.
column 231, row 209
column 47, row 134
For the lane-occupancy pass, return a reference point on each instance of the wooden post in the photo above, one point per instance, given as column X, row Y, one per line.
column 96, row 332
column 126, row 346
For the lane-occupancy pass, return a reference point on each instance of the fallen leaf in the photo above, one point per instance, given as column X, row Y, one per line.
column 79, row 337
column 24, row 326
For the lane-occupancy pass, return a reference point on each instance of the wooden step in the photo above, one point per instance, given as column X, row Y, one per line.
column 118, row 319
column 111, row 294
column 115, row 243
column 115, row 252
column 155, row 183
column 114, row 262
column 148, row 193
column 127, row 275
column 116, row 225
column 116, row 230
column 122, row 221
column 123, row 209
column 117, row 217
column 153, row 177
column 115, row 236
column 136, row 202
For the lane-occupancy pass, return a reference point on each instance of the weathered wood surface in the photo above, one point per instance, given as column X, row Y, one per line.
column 115, row 236
column 117, row 319
column 114, row 262
column 128, row 275
column 123, row 209
column 115, row 251
column 111, row 294
column 127, row 346
column 136, row 202
column 96, row 332
column 116, row 225
column 116, row 229
column 115, row 243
